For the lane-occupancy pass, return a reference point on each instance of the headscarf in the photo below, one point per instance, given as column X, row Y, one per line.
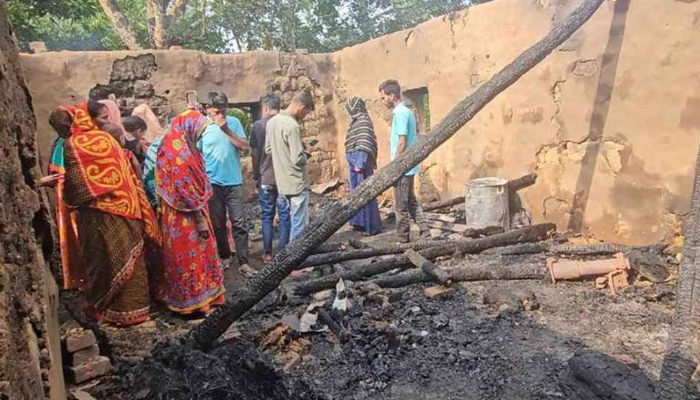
column 360, row 136
column 154, row 129
column 114, row 115
column 181, row 178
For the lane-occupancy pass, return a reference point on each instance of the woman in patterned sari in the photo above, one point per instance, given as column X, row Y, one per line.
column 193, row 276
column 66, row 220
column 113, row 217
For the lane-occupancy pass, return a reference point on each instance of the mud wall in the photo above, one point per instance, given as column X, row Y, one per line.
column 30, row 365
column 609, row 121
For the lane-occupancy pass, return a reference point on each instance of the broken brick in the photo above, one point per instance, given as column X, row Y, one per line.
column 437, row 291
column 98, row 367
column 80, row 340
column 85, row 356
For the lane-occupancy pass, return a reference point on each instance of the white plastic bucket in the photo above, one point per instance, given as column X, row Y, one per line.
column 487, row 203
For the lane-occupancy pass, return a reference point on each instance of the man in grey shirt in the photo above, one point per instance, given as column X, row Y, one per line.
column 264, row 174
column 283, row 143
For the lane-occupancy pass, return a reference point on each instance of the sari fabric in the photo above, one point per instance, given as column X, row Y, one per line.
column 101, row 184
column 193, row 274
column 66, row 224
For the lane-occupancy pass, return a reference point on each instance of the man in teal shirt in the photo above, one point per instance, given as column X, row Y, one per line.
column 220, row 145
column 404, row 134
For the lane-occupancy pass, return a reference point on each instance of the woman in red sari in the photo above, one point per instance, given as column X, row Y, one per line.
column 113, row 218
column 194, row 279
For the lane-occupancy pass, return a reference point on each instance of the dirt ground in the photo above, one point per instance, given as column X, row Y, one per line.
column 454, row 347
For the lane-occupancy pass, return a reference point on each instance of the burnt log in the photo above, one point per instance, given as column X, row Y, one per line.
column 325, row 248
column 651, row 266
column 358, row 244
column 340, row 256
column 447, row 226
column 521, row 183
column 482, row 272
column 682, row 353
column 488, row 231
column 428, row 267
column 335, row 327
column 518, row 249
column 528, row 234
column 443, row 204
column 596, row 376
column 335, row 215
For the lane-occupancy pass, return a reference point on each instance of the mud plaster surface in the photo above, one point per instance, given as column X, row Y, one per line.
column 25, row 234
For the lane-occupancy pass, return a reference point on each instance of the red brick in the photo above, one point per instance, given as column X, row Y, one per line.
column 85, row 356
column 98, row 367
column 437, row 291
column 79, row 340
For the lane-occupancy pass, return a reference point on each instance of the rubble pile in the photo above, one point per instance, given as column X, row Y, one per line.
column 233, row 370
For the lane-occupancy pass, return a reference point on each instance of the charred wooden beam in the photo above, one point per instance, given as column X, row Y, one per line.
column 488, row 231
column 337, row 214
column 483, row 272
column 325, row 248
column 443, row 204
column 521, row 183
column 340, row 256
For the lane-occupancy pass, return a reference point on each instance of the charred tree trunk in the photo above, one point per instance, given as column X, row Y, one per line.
column 681, row 357
column 341, row 211
column 529, row 234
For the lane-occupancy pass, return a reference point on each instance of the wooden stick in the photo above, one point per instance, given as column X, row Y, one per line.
column 428, row 267
column 483, row 272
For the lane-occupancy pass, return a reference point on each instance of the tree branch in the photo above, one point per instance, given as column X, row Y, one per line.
column 176, row 8
column 160, row 26
column 121, row 24
column 336, row 214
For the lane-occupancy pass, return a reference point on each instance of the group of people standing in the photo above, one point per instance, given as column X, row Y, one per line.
column 144, row 217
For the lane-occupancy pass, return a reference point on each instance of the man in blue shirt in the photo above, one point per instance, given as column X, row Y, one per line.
column 404, row 134
column 220, row 145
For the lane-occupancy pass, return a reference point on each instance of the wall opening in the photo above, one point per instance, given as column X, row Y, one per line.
column 247, row 113
column 420, row 99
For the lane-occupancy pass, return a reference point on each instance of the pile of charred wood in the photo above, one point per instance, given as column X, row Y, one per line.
column 531, row 252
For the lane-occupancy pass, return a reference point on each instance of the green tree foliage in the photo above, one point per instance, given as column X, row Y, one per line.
column 226, row 26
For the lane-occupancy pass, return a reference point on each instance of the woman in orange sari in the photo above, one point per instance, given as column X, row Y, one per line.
column 113, row 217
column 194, row 279
column 66, row 220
